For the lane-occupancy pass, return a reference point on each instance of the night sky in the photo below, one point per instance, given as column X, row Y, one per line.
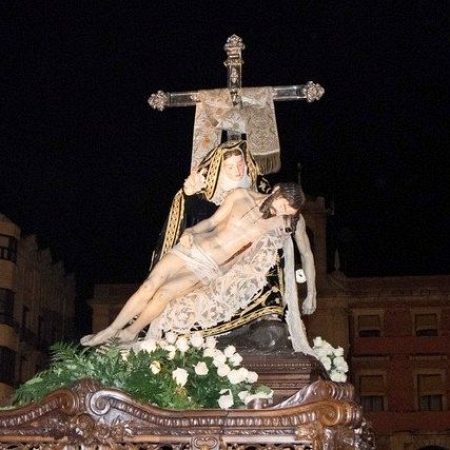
column 90, row 168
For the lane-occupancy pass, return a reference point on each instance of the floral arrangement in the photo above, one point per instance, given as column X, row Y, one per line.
column 175, row 372
column 331, row 358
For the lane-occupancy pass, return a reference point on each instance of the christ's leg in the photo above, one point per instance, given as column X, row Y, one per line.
column 184, row 282
column 167, row 267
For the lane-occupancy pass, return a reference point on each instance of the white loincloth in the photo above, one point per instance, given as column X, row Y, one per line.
column 198, row 262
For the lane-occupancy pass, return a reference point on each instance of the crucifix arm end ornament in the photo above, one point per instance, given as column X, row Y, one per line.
column 312, row 91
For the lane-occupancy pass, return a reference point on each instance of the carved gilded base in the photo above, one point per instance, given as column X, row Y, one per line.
column 322, row 415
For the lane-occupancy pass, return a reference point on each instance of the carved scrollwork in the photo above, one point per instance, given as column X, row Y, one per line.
column 205, row 442
column 88, row 415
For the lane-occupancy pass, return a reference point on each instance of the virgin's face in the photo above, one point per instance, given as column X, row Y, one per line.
column 234, row 167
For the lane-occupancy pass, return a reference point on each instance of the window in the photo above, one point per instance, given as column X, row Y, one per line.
column 6, row 306
column 7, row 365
column 369, row 325
column 372, row 392
column 425, row 324
column 430, row 392
column 8, row 248
column 372, row 402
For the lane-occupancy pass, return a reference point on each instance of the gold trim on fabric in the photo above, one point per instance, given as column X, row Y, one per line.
column 278, row 310
column 174, row 222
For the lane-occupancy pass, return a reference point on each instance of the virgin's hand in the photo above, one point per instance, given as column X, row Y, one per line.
column 195, row 182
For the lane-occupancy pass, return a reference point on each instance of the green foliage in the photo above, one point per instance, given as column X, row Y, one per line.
column 147, row 375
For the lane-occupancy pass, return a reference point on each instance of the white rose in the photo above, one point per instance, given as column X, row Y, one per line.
column 337, row 376
column 326, row 362
column 340, row 364
column 171, row 337
column 317, row 341
column 197, row 340
column 201, row 368
column 180, row 376
column 229, row 351
column 209, row 352
column 171, row 352
column 148, row 345
column 321, row 352
column 243, row 372
column 210, row 342
column 235, row 377
column 235, row 360
column 252, row 377
column 182, row 344
column 328, row 347
column 155, row 367
column 219, row 358
column 225, row 401
column 243, row 395
column 223, row 370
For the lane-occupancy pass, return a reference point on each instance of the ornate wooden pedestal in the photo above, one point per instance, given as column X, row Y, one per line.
column 321, row 416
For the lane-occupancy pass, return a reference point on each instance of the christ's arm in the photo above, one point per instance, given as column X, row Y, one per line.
column 307, row 258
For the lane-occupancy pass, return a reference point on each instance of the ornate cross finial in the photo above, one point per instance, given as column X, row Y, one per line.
column 233, row 48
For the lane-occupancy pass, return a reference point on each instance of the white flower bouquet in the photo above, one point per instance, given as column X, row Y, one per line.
column 175, row 372
column 331, row 358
